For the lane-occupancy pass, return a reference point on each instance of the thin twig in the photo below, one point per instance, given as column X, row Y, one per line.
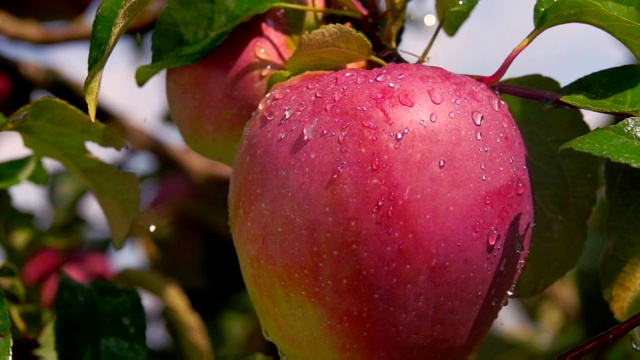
column 35, row 32
column 197, row 167
column 603, row 340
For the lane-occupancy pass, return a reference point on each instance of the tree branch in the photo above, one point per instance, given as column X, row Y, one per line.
column 36, row 32
column 198, row 168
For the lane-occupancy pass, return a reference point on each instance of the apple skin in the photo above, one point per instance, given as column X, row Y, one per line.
column 364, row 229
column 211, row 101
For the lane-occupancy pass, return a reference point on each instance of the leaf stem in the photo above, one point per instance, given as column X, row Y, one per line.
column 493, row 79
column 423, row 57
column 347, row 13
column 377, row 60
column 602, row 340
column 543, row 96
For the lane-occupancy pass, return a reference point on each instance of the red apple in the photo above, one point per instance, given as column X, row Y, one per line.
column 380, row 214
column 211, row 100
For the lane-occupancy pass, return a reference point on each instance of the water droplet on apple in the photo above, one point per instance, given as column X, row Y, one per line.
column 288, row 111
column 478, row 135
column 519, row 187
column 487, row 200
column 369, row 124
column 477, row 117
column 375, row 164
column 452, row 114
column 433, row 117
column 436, row 98
column 492, row 238
column 308, row 131
column 442, row 163
column 477, row 227
column 381, row 77
column 494, row 102
column 404, row 100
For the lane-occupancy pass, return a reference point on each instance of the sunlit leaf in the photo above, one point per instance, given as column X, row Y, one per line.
column 16, row 171
column 619, row 143
column 620, row 266
column 53, row 128
column 615, row 90
column 453, row 13
column 188, row 30
column 329, row 47
column 563, row 183
column 111, row 20
column 620, row 18
column 98, row 321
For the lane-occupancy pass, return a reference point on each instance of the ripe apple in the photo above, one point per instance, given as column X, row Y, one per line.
column 211, row 101
column 380, row 214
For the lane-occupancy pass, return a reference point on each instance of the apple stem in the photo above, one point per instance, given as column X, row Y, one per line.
column 423, row 57
column 493, row 79
column 347, row 13
column 603, row 340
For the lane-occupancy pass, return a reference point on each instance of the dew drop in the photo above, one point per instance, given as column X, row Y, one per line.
column 484, row 177
column 369, row 124
column 288, row 111
column 494, row 103
column 436, row 98
column 404, row 100
column 492, row 238
column 510, row 159
column 487, row 200
column 478, row 135
column 452, row 114
column 375, row 163
column 477, row 227
column 433, row 117
column 381, row 77
column 392, row 196
column 477, row 117
column 519, row 187
column 442, row 163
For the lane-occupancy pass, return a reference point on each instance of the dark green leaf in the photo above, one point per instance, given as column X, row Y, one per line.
column 453, row 13
column 3, row 120
column 112, row 19
column 329, row 47
column 16, row 171
column 55, row 129
column 188, row 30
column 619, row 143
column 564, row 186
column 620, row 18
column 187, row 323
column 10, row 281
column 615, row 90
column 5, row 329
column 620, row 266
column 98, row 321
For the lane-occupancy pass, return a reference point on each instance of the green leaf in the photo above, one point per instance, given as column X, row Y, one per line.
column 564, row 186
column 190, row 330
column 276, row 77
column 620, row 266
column 619, row 143
column 329, row 47
column 5, row 329
column 98, row 321
column 615, row 90
column 53, row 128
column 620, row 18
column 16, row 171
column 112, row 19
column 188, row 30
column 453, row 13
